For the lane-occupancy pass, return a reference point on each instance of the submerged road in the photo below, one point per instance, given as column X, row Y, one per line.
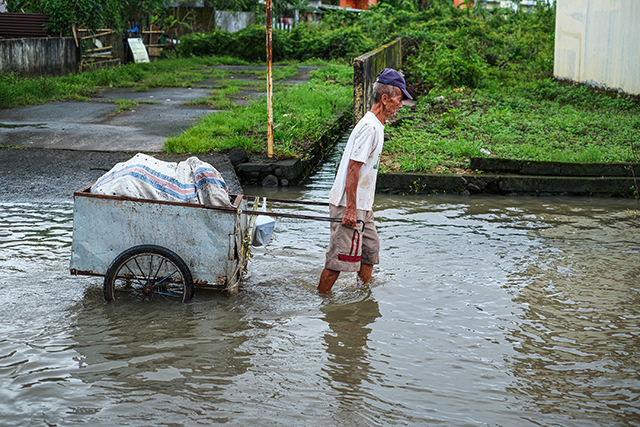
column 509, row 311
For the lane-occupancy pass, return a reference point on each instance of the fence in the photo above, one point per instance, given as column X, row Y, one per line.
column 55, row 56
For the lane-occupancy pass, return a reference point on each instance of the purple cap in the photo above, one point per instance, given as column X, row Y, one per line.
column 391, row 77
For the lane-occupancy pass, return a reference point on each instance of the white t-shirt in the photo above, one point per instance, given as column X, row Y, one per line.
column 364, row 145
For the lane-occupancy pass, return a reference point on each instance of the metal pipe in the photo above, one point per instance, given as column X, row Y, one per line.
column 294, row 202
column 298, row 216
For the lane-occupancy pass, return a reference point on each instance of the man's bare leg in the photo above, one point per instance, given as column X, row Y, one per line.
column 365, row 272
column 327, row 279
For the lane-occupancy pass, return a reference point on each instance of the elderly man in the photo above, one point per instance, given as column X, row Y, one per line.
column 351, row 197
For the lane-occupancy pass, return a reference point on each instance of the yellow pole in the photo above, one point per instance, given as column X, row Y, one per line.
column 269, row 83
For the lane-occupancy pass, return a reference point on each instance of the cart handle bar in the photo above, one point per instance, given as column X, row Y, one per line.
column 298, row 216
column 295, row 202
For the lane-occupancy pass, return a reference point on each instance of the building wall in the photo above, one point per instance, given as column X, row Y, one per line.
column 233, row 21
column 598, row 43
column 358, row 4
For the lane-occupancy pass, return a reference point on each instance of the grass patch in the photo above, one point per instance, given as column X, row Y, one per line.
column 484, row 80
column 128, row 104
column 125, row 105
column 16, row 91
column 443, row 130
column 302, row 114
column 219, row 97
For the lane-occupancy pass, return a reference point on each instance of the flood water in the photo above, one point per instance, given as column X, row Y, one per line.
column 496, row 311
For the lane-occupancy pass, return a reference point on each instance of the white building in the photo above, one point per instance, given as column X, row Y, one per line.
column 598, row 43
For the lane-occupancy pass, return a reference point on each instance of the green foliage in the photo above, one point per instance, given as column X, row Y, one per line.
column 304, row 42
column 248, row 44
column 89, row 13
column 125, row 105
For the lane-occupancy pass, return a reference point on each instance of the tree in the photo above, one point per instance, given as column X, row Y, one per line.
column 90, row 13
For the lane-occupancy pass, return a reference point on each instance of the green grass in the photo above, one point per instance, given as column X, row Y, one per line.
column 574, row 124
column 486, row 82
column 125, row 105
column 219, row 97
column 301, row 113
column 128, row 104
column 16, row 91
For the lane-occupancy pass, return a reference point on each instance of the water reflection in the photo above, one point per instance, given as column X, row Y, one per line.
column 483, row 311
column 348, row 369
column 578, row 338
column 143, row 357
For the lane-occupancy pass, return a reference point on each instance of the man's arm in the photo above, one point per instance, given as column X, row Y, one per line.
column 350, row 218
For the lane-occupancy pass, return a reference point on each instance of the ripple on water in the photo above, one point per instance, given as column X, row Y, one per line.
column 483, row 311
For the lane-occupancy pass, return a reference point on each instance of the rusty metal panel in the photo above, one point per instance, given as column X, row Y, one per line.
column 597, row 42
column 23, row 24
column 104, row 227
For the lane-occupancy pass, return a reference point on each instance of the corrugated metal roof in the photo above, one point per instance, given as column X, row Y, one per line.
column 23, row 24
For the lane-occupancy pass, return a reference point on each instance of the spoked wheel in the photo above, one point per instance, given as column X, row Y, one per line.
column 148, row 272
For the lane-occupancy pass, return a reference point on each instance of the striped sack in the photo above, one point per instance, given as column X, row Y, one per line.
column 144, row 177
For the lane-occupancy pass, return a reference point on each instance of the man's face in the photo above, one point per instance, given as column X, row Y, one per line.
column 393, row 103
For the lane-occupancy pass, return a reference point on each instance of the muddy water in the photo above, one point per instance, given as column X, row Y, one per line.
column 484, row 311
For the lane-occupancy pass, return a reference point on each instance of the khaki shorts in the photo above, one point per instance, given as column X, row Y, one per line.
column 349, row 247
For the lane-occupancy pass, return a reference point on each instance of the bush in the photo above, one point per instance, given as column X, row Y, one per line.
column 249, row 44
column 346, row 43
column 306, row 41
column 200, row 44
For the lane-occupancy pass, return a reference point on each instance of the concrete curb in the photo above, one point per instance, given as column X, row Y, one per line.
column 523, row 167
column 292, row 171
column 409, row 183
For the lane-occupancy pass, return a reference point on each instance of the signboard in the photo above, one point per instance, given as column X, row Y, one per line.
column 138, row 50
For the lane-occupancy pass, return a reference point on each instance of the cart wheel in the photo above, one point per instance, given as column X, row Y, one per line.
column 148, row 272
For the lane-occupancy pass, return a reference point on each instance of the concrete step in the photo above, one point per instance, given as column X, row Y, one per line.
column 527, row 167
column 507, row 184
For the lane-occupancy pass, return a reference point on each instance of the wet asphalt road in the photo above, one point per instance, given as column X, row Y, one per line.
column 49, row 151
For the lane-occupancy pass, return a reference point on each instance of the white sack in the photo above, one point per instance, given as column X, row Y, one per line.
column 144, row 177
column 263, row 228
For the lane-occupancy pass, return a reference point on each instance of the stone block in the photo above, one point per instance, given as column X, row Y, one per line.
column 541, row 168
column 419, row 183
column 270, row 181
column 237, row 155
column 495, row 164
column 291, row 168
column 250, row 167
column 613, row 186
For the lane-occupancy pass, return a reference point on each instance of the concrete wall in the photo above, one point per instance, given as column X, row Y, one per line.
column 365, row 70
column 598, row 43
column 233, row 21
column 38, row 56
